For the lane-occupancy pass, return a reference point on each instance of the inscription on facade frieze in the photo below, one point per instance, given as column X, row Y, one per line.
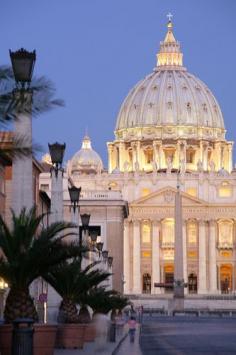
column 205, row 213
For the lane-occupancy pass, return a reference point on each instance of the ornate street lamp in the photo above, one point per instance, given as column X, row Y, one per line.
column 93, row 235
column 93, row 238
column 110, row 261
column 23, row 66
column 74, row 196
column 57, row 151
column 85, row 218
column 105, row 255
column 22, row 185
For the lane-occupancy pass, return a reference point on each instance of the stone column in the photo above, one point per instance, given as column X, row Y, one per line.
column 182, row 152
column 205, row 156
column 56, row 196
column 155, row 255
column 22, row 167
column 185, row 253
column 121, row 155
column 110, row 157
column 134, row 155
column 156, row 154
column 202, row 257
column 230, row 157
column 162, row 158
column 212, row 257
column 218, row 156
column 136, row 258
column 179, row 257
column 74, row 220
column 176, row 162
column 126, row 259
column 55, row 216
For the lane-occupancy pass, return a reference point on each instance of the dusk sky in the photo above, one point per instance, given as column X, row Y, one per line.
column 95, row 51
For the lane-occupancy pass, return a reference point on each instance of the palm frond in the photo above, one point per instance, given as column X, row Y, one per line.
column 29, row 252
column 43, row 97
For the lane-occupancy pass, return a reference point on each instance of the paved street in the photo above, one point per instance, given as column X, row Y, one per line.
column 128, row 348
column 183, row 335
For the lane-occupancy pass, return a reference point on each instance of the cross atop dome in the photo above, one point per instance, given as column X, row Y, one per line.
column 169, row 16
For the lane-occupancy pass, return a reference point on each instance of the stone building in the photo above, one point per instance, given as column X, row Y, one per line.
column 170, row 127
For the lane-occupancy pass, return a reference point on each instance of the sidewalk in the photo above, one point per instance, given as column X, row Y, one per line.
column 90, row 348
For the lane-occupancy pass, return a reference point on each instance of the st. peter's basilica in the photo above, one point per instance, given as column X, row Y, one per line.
column 170, row 127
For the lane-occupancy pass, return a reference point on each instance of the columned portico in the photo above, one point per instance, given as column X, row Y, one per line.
column 136, row 258
column 155, row 255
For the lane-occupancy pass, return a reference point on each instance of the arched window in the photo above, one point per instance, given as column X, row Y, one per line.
column 192, row 233
column 167, row 231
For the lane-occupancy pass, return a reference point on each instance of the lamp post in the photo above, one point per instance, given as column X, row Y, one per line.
column 110, row 261
column 57, row 151
column 74, row 193
column 93, row 238
column 105, row 255
column 85, row 218
column 99, row 247
column 22, row 170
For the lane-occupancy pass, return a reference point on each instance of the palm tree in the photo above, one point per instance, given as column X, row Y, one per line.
column 72, row 283
column 27, row 251
column 102, row 300
column 43, row 100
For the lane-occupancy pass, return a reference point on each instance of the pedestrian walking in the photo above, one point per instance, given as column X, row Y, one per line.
column 132, row 328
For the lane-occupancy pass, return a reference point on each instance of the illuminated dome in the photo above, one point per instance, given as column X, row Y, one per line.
column 86, row 160
column 175, row 103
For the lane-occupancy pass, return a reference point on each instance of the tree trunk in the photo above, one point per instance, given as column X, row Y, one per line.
column 19, row 304
column 69, row 310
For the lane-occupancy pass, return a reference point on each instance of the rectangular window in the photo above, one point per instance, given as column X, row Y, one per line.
column 225, row 191
column 146, row 254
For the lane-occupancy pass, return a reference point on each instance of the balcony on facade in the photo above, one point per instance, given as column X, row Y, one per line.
column 225, row 245
column 167, row 245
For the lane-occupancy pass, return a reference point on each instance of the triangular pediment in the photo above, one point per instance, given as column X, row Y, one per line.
column 166, row 196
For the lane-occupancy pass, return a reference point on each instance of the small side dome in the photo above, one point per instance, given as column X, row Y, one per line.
column 86, row 160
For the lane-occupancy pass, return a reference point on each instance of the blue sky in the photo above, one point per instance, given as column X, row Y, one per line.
column 96, row 50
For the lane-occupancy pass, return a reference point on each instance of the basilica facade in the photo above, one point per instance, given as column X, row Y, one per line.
column 169, row 130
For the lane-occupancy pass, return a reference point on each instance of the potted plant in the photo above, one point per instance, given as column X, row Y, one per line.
column 70, row 281
column 27, row 252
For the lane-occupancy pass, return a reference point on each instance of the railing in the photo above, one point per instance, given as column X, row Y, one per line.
column 167, row 245
column 225, row 245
